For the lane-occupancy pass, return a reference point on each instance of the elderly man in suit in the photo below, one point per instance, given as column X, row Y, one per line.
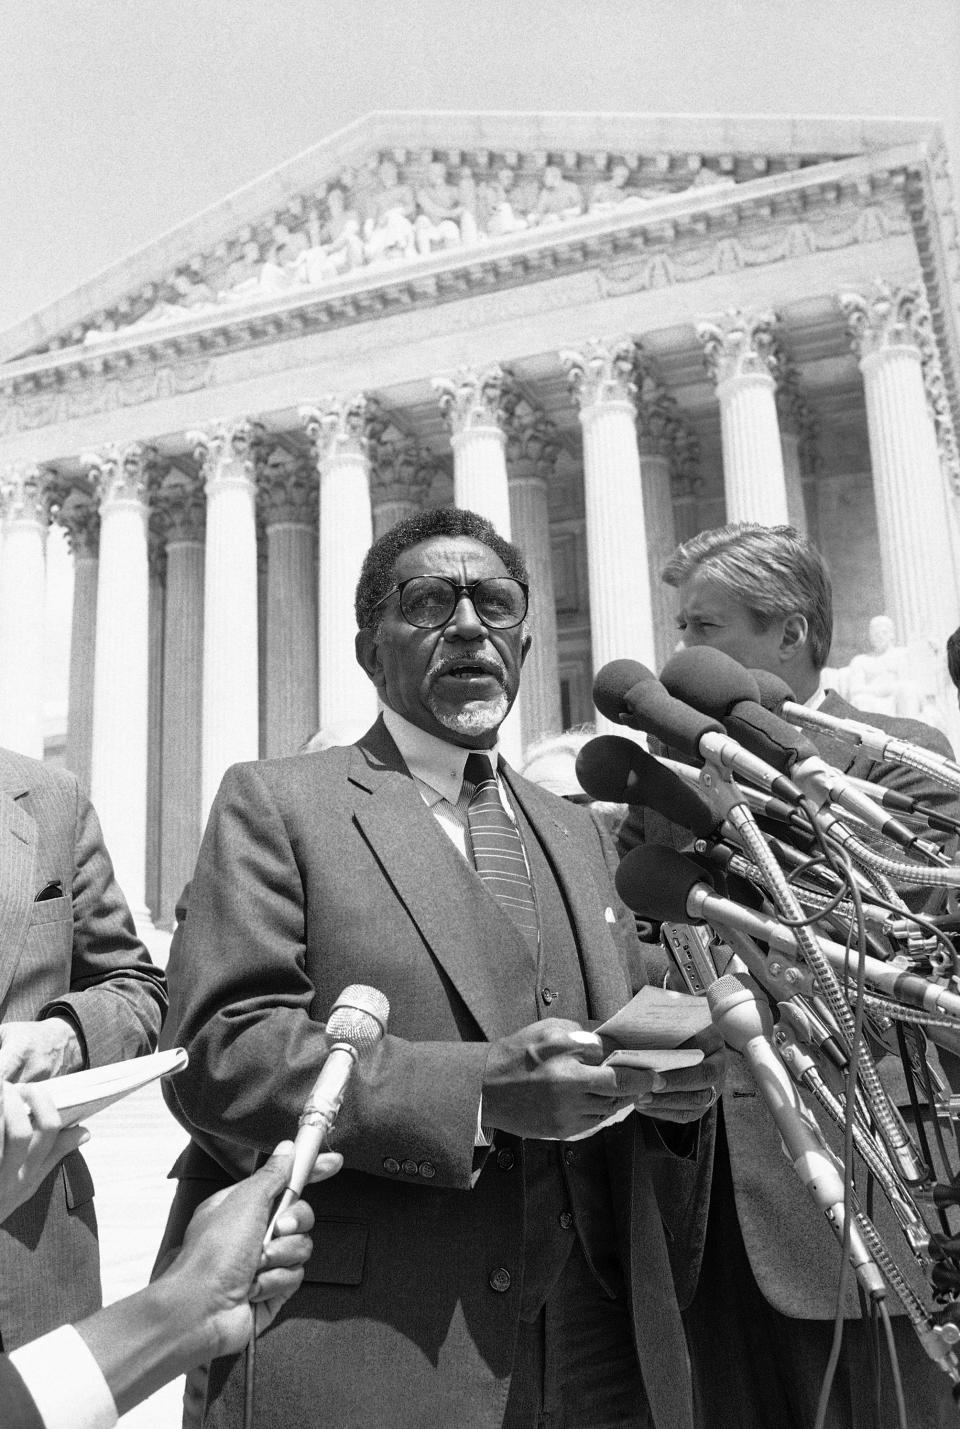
column 474, row 1265
column 760, row 1323
column 77, row 989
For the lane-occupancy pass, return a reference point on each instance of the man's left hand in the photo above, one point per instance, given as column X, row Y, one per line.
column 686, row 1093
column 34, row 1051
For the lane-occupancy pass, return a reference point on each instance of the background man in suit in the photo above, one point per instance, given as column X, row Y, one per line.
column 77, row 989
column 472, row 1267
column 222, row 1284
column 760, row 1324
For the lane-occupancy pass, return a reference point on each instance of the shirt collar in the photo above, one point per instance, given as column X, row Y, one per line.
column 431, row 760
column 817, row 698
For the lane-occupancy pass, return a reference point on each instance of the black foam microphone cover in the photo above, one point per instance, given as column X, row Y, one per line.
column 614, row 682
column 655, row 881
column 768, row 736
column 708, row 679
column 619, row 770
column 774, row 692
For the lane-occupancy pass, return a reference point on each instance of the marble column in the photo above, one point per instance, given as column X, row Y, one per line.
column 118, row 766
column 799, row 434
column 230, row 683
column 23, row 515
column 157, row 566
column 621, row 602
column 738, row 352
column 532, row 447
column 181, row 499
column 889, row 329
column 79, row 515
column 471, row 406
column 287, row 494
column 664, row 442
column 336, row 426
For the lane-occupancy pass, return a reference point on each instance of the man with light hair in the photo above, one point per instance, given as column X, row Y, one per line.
column 760, row 1323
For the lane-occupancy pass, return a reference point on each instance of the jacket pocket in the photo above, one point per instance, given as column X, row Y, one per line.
column 51, row 910
column 339, row 1250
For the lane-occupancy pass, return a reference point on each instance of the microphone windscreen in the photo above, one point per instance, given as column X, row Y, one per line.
column 774, row 692
column 359, row 1017
column 614, row 682
column 708, row 679
column 674, row 723
column 618, row 770
column 655, row 881
column 768, row 736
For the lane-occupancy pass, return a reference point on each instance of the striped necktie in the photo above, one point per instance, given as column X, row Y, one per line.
column 498, row 854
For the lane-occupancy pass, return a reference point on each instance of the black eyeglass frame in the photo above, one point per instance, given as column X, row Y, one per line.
column 459, row 592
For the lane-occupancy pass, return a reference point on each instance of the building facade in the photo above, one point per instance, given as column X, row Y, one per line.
column 603, row 332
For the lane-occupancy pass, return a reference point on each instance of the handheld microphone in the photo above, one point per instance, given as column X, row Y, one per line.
column 357, row 1021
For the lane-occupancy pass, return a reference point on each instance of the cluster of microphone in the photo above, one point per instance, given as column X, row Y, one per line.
column 817, row 914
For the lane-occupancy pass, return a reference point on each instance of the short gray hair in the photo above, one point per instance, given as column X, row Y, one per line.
column 772, row 570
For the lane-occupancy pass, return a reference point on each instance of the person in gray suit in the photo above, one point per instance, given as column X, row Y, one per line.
column 77, row 989
column 473, row 1265
column 760, row 1323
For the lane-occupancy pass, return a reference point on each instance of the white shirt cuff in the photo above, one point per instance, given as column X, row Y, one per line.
column 483, row 1137
column 65, row 1381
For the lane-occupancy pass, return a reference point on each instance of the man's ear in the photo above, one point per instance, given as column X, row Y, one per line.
column 793, row 639
column 367, row 649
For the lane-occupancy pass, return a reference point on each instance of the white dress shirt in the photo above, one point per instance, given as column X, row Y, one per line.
column 65, row 1381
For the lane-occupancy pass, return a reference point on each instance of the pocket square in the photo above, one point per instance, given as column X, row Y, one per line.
column 609, row 914
column 53, row 889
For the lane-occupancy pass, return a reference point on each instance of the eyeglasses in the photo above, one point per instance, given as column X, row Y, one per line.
column 429, row 601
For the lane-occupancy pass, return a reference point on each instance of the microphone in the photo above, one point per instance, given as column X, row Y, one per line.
column 629, row 693
column 621, row 772
column 714, row 683
column 746, row 1024
column 667, row 887
column 357, row 1021
column 775, row 693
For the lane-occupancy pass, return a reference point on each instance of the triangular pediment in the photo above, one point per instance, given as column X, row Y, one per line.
column 399, row 188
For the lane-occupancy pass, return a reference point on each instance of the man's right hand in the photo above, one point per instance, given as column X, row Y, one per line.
column 32, row 1141
column 545, row 1082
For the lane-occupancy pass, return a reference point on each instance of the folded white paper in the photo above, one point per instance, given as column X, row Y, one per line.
column 80, row 1094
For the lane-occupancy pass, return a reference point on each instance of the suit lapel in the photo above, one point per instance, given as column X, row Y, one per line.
column 606, row 984
column 18, row 853
column 452, row 912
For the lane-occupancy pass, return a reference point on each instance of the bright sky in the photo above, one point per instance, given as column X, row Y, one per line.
column 121, row 118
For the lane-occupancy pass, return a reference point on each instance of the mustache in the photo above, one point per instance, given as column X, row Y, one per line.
column 480, row 662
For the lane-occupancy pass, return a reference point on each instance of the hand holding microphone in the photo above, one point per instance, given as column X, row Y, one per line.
column 357, row 1021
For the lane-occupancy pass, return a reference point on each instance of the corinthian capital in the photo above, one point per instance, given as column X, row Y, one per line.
column 121, row 474
column 182, row 506
column 224, row 451
column 73, row 505
column 400, row 470
column 23, row 494
column 336, row 425
column 885, row 318
column 471, row 399
column 739, row 344
column 601, row 372
column 286, row 489
column 533, row 444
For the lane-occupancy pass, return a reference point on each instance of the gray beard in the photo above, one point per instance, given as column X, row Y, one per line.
column 473, row 719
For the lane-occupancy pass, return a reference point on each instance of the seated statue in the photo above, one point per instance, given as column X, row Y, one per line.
column 882, row 680
column 437, row 224
column 558, row 198
column 388, row 232
column 334, row 246
column 497, row 206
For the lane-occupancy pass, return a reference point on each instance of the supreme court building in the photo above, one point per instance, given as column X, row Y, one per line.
column 604, row 332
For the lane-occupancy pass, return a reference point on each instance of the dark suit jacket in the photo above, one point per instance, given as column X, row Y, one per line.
column 793, row 1254
column 322, row 870
column 76, row 953
column 19, row 1409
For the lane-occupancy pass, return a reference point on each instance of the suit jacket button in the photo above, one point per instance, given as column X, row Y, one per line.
column 409, row 1167
column 391, row 1165
column 506, row 1159
column 566, row 1219
column 427, row 1170
column 500, row 1280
